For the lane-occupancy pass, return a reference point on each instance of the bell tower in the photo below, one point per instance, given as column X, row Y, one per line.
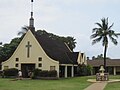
column 31, row 20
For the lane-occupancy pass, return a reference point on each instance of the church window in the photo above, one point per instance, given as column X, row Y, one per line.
column 16, row 65
column 17, row 59
column 40, row 64
column 40, row 59
column 6, row 67
column 52, row 68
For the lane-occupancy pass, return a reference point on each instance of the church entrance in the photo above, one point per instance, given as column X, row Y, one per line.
column 62, row 71
column 26, row 68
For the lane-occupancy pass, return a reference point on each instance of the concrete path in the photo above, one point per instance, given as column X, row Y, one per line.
column 97, row 86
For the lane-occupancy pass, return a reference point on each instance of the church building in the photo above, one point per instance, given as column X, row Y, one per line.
column 41, row 52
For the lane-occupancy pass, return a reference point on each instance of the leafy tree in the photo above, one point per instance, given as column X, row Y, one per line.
column 7, row 50
column 84, row 70
column 70, row 41
column 99, row 57
column 103, row 33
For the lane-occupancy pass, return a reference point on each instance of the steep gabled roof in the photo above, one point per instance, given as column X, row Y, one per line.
column 73, row 56
column 57, row 50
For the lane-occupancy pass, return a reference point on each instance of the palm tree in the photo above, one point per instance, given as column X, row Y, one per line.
column 103, row 33
column 24, row 30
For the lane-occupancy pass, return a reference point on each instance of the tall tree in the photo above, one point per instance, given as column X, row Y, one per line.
column 7, row 49
column 103, row 33
column 70, row 41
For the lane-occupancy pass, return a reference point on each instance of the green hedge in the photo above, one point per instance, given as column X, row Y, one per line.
column 36, row 72
column 44, row 73
column 52, row 73
column 11, row 72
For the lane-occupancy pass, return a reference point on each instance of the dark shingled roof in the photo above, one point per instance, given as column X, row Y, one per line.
column 57, row 50
column 109, row 62
column 73, row 56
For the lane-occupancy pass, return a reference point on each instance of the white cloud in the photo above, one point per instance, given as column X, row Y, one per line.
column 62, row 17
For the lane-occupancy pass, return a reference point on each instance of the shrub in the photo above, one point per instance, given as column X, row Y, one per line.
column 52, row 73
column 11, row 72
column 44, row 73
column 84, row 70
column 36, row 72
column 89, row 69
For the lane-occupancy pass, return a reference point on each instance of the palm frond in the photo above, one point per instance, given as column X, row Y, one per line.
column 109, row 28
column 112, row 33
column 94, row 30
column 113, row 40
column 105, row 24
column 118, row 34
column 24, row 30
column 96, row 40
column 93, row 36
column 99, row 25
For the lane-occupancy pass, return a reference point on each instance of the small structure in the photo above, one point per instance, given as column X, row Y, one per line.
column 112, row 66
column 101, row 76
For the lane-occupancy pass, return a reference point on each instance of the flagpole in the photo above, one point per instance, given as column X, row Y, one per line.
column 31, row 8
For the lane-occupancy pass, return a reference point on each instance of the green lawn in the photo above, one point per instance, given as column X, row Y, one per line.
column 77, row 83
column 113, row 86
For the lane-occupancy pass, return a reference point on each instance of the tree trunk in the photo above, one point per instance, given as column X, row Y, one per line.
column 105, row 51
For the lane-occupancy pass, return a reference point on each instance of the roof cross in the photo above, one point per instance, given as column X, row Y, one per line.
column 28, row 49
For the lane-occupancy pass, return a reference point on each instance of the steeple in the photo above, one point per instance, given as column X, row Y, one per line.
column 31, row 20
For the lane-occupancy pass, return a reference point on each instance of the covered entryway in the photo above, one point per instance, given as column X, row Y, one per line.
column 26, row 68
column 69, row 71
column 66, row 71
column 62, row 71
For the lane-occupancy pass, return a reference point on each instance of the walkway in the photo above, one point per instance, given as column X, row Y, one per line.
column 99, row 85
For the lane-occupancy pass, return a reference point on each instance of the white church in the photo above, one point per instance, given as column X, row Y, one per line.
column 40, row 52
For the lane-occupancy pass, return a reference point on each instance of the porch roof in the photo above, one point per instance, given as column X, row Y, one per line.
column 109, row 62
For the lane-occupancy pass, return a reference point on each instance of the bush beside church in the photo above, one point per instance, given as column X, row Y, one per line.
column 37, row 73
column 44, row 74
column 12, row 72
column 84, row 70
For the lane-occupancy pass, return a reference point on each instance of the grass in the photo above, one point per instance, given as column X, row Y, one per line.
column 77, row 83
column 113, row 86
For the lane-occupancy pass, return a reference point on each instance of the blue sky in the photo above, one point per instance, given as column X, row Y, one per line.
column 74, row 18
